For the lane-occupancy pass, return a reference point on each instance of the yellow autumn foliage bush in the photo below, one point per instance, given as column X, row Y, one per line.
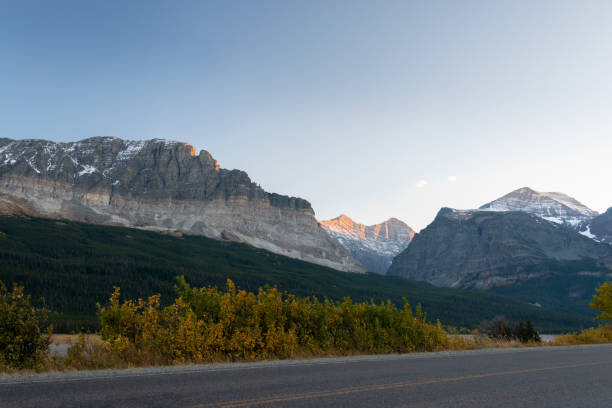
column 602, row 302
column 594, row 335
column 206, row 324
column 24, row 341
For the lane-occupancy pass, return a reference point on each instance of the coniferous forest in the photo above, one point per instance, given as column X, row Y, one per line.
column 74, row 265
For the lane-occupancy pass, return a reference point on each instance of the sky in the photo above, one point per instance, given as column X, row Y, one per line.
column 374, row 109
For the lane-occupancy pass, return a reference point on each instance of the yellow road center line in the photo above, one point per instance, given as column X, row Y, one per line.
column 354, row 390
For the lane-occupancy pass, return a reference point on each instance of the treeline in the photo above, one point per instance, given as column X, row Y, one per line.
column 75, row 265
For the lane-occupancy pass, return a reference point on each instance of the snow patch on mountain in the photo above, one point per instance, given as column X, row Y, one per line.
column 87, row 169
column 587, row 233
column 132, row 148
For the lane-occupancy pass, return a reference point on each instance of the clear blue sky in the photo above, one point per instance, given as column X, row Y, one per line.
column 353, row 105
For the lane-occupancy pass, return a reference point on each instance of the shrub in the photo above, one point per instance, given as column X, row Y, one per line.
column 501, row 329
column 86, row 354
column 497, row 328
column 205, row 324
column 594, row 335
column 23, row 342
column 526, row 333
column 602, row 301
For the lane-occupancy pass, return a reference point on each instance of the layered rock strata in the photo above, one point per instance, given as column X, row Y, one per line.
column 160, row 185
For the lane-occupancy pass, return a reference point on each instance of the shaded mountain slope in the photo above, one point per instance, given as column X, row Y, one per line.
column 510, row 252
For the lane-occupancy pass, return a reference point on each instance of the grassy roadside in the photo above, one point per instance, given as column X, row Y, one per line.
column 99, row 359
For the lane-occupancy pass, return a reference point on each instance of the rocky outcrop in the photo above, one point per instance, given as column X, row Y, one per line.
column 373, row 246
column 160, row 185
column 482, row 249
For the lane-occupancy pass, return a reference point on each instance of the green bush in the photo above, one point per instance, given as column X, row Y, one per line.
column 525, row 332
column 206, row 324
column 23, row 343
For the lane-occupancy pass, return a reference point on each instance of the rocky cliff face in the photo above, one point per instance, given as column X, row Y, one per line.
column 556, row 207
column 483, row 249
column 373, row 246
column 159, row 185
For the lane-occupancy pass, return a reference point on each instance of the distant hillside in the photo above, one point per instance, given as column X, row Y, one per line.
column 74, row 265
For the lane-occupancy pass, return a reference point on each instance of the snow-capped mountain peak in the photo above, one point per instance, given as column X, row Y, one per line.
column 553, row 206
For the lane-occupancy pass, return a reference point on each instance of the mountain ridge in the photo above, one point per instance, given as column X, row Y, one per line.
column 160, row 184
column 374, row 246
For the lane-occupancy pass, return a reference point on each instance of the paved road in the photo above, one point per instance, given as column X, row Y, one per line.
column 545, row 377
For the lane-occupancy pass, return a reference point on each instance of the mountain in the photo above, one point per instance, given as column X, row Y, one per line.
column 73, row 265
column 159, row 185
column 515, row 251
column 599, row 228
column 556, row 207
column 559, row 208
column 373, row 246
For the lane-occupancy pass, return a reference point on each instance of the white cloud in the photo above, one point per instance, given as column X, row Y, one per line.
column 452, row 179
column 421, row 183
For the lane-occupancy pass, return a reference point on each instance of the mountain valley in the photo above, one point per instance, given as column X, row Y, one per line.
column 545, row 249
column 73, row 265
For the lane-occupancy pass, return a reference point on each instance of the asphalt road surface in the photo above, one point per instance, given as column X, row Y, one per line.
column 535, row 377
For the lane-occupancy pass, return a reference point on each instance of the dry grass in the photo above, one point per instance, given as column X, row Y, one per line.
column 477, row 342
column 90, row 352
column 74, row 338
